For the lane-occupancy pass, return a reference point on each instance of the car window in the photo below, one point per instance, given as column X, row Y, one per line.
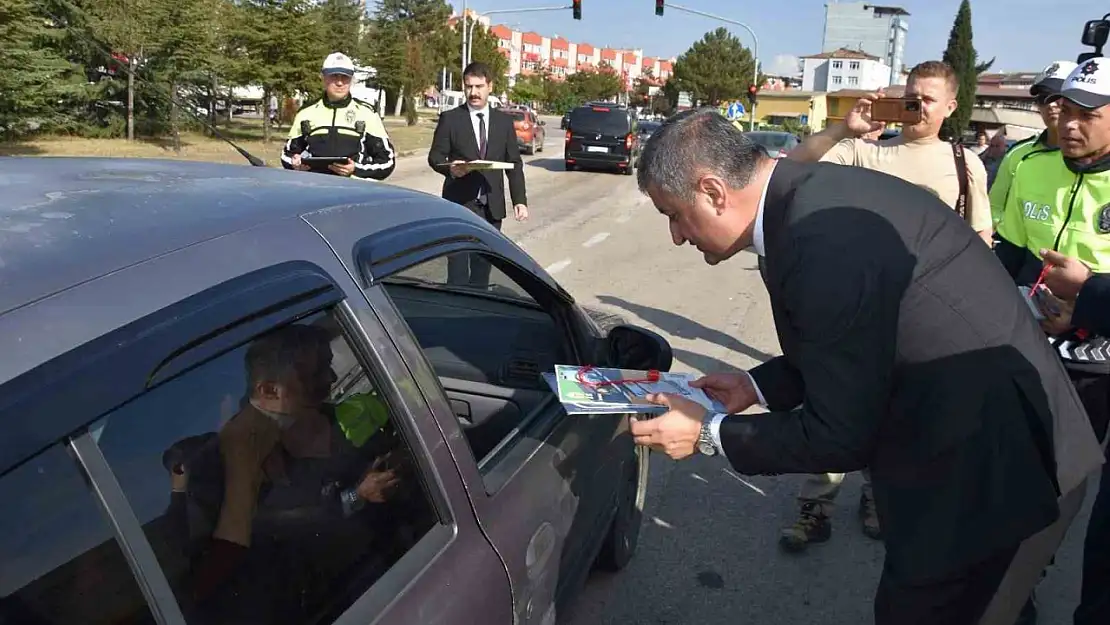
column 59, row 560
column 600, row 120
column 517, row 115
column 488, row 345
column 273, row 482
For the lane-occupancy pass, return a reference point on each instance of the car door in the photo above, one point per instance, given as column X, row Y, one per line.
column 144, row 405
column 543, row 483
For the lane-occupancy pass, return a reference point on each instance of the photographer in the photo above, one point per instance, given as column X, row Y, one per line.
column 917, row 156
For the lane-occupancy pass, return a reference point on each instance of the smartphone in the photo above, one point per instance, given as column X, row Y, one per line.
column 899, row 110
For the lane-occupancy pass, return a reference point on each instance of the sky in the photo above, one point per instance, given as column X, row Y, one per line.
column 1023, row 35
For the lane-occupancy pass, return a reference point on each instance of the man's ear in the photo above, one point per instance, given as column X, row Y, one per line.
column 717, row 191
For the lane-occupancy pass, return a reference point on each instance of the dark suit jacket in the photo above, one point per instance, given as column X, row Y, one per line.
column 907, row 349
column 455, row 139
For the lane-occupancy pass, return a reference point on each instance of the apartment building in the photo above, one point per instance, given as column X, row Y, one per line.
column 877, row 30
column 844, row 69
column 530, row 52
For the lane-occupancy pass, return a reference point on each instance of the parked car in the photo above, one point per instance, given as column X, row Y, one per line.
column 777, row 144
column 602, row 135
column 235, row 394
column 530, row 132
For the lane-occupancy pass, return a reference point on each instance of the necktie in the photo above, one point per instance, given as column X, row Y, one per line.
column 481, row 135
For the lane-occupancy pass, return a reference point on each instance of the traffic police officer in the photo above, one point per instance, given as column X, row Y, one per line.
column 338, row 125
column 1058, row 207
column 1045, row 85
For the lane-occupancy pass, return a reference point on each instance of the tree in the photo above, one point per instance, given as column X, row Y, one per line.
column 716, row 69
column 405, row 61
column 33, row 76
column 960, row 54
column 185, row 51
column 483, row 48
column 528, row 89
column 128, row 28
column 342, row 22
column 595, row 84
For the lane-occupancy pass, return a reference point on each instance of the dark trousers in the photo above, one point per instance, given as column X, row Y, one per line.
column 1094, row 602
column 468, row 268
column 959, row 599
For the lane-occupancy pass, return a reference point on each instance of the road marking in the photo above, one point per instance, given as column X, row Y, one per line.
column 661, row 523
column 555, row 268
column 597, row 238
column 744, row 482
column 623, row 218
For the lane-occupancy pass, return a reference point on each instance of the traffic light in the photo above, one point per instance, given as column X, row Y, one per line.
column 753, row 93
column 659, row 7
column 576, row 7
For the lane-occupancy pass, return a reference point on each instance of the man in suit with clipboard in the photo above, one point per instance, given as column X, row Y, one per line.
column 477, row 131
column 906, row 349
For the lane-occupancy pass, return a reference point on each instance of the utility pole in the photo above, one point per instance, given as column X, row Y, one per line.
column 465, row 48
column 755, row 43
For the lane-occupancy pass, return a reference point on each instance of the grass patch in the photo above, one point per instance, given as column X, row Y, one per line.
column 198, row 147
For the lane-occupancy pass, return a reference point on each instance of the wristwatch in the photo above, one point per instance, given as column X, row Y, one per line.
column 705, row 437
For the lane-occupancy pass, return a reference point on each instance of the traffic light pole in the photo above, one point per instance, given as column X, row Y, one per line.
column 470, row 32
column 755, row 47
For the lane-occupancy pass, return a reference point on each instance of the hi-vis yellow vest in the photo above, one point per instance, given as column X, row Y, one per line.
column 1051, row 207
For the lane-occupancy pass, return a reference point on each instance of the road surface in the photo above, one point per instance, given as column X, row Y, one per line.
column 708, row 552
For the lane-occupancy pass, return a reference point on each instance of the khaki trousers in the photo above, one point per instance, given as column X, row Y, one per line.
column 822, row 488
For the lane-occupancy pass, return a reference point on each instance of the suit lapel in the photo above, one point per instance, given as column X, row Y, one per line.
column 466, row 126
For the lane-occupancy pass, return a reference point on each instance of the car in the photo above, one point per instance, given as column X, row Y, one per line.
column 602, row 135
column 647, row 128
column 530, row 132
column 777, row 144
column 242, row 394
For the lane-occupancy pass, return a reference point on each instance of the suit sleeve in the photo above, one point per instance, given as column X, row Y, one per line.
column 842, row 295
column 516, row 174
column 440, row 151
column 1092, row 307
column 779, row 383
column 376, row 156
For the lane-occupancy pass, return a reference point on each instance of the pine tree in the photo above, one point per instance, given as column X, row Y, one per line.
column 36, row 82
column 960, row 54
column 715, row 69
column 404, row 54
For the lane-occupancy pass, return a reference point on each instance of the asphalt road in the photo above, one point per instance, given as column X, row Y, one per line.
column 708, row 552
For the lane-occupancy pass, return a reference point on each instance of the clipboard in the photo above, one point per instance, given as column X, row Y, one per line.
column 323, row 161
column 487, row 165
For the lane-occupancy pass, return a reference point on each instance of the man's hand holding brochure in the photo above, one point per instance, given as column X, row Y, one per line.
column 593, row 390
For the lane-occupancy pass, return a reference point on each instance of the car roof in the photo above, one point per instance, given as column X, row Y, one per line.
column 65, row 221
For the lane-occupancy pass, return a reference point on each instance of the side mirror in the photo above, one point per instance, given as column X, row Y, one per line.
column 543, row 123
column 1095, row 33
column 632, row 347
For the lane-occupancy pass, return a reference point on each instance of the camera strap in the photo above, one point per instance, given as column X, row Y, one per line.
column 961, row 175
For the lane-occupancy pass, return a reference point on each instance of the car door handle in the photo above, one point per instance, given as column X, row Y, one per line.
column 461, row 410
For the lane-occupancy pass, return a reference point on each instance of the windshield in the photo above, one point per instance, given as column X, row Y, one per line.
column 588, row 120
column 517, row 115
column 773, row 140
column 646, row 128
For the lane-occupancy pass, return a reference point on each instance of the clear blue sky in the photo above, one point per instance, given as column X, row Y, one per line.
column 1024, row 35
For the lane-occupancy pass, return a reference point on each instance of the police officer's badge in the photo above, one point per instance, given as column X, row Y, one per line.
column 1102, row 224
column 350, row 116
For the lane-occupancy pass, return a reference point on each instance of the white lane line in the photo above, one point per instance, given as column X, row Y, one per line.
column 623, row 218
column 555, row 268
column 597, row 238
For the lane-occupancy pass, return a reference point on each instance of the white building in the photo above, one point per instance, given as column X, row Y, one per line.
column 844, row 69
column 877, row 30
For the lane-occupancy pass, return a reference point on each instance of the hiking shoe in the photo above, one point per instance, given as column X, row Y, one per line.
column 812, row 526
column 868, row 516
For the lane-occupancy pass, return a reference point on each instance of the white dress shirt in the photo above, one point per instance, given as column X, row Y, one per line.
column 760, row 249
column 478, row 135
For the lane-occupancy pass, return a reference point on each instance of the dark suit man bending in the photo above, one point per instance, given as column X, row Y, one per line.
column 476, row 131
column 906, row 349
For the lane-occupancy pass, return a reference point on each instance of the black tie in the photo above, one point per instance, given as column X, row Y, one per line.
column 481, row 135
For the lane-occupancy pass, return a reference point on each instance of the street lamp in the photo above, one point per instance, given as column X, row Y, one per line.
column 755, row 43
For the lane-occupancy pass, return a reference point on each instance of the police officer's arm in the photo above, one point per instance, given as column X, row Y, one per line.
column 1092, row 306
column 295, row 143
column 376, row 156
column 1012, row 240
column 1000, row 189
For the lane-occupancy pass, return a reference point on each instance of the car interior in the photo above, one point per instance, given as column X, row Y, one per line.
column 488, row 352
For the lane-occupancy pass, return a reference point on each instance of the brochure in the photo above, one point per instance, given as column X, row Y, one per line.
column 590, row 390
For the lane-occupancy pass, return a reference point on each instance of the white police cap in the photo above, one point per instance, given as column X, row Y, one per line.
column 1089, row 84
column 338, row 63
column 1052, row 78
